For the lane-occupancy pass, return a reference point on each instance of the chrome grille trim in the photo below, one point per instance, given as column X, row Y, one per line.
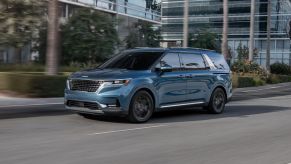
column 85, row 85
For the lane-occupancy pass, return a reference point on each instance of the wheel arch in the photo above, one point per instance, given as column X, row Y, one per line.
column 214, row 88
column 150, row 92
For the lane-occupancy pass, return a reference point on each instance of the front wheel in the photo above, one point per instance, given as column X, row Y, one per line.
column 217, row 102
column 141, row 107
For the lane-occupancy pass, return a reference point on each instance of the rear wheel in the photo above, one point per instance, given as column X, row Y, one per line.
column 217, row 102
column 141, row 107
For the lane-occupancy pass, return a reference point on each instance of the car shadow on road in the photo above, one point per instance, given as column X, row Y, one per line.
column 197, row 114
column 36, row 111
column 178, row 115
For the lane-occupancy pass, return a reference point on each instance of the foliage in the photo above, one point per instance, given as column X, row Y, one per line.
column 243, row 52
column 205, row 39
column 156, row 6
column 34, row 85
column 247, row 67
column 88, row 37
column 36, row 68
column 20, row 21
column 274, row 79
column 143, row 34
column 280, row 68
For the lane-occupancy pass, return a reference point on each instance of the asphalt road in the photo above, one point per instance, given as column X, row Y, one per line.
column 252, row 130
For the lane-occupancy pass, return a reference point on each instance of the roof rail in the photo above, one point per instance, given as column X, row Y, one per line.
column 146, row 47
column 191, row 48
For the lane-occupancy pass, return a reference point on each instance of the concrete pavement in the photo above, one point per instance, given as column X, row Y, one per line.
column 251, row 131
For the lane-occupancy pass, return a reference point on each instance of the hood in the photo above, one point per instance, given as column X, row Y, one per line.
column 104, row 74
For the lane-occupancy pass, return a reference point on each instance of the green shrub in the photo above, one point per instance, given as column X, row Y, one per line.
column 35, row 68
column 246, row 82
column 34, row 85
column 274, row 79
column 247, row 67
column 280, row 68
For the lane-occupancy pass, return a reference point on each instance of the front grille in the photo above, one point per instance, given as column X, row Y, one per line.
column 82, row 104
column 85, row 85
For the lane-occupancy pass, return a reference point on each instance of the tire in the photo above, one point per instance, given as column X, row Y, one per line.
column 141, row 107
column 217, row 102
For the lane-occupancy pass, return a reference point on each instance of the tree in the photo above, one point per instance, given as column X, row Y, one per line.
column 156, row 6
column 20, row 21
column 268, row 36
column 143, row 34
column 242, row 52
column 224, row 45
column 186, row 24
column 205, row 39
column 89, row 37
column 52, row 38
column 252, row 28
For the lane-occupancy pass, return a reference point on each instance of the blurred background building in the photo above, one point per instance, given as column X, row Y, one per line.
column 127, row 12
column 208, row 14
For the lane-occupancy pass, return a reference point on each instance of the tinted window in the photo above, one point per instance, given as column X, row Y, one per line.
column 218, row 61
column 133, row 60
column 192, row 61
column 171, row 60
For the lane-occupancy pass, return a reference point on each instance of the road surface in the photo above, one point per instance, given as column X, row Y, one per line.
column 252, row 130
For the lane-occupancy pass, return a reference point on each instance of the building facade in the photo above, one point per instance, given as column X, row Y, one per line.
column 208, row 14
column 127, row 12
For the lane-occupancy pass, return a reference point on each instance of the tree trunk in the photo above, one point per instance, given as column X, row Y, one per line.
column 224, row 45
column 268, row 36
column 185, row 23
column 17, row 55
column 52, row 38
column 252, row 28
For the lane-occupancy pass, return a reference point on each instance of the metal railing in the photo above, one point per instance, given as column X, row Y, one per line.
column 123, row 8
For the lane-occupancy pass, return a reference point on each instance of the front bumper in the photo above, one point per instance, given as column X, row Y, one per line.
column 99, row 109
column 106, row 100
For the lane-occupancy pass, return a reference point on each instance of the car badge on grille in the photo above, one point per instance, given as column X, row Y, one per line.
column 85, row 76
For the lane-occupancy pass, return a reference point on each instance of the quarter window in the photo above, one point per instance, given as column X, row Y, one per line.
column 192, row 61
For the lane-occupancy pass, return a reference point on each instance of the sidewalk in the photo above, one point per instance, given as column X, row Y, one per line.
column 12, row 101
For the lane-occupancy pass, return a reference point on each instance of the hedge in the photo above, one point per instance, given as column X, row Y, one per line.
column 33, row 85
column 40, row 85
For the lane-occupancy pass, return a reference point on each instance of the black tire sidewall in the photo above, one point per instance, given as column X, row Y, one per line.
column 211, row 107
column 131, row 115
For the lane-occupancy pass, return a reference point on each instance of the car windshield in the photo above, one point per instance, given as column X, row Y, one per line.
column 132, row 61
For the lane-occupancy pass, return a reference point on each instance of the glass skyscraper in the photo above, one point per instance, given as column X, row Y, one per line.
column 208, row 14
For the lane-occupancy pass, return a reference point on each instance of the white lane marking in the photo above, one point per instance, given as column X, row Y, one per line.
column 10, row 106
column 126, row 130
column 256, row 90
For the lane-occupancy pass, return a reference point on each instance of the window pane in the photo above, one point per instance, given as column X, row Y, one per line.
column 171, row 60
column 134, row 60
column 192, row 61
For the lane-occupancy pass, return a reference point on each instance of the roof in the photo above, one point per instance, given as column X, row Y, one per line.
column 172, row 48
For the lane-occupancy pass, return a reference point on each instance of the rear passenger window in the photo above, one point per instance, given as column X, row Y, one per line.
column 192, row 61
column 170, row 60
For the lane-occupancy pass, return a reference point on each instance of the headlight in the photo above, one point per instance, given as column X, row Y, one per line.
column 69, row 83
column 117, row 82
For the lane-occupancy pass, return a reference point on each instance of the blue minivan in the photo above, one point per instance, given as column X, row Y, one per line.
column 141, row 81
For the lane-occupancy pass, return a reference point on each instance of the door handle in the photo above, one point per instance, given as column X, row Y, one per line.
column 181, row 76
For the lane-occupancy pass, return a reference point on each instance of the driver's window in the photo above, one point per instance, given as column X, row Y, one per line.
column 170, row 60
